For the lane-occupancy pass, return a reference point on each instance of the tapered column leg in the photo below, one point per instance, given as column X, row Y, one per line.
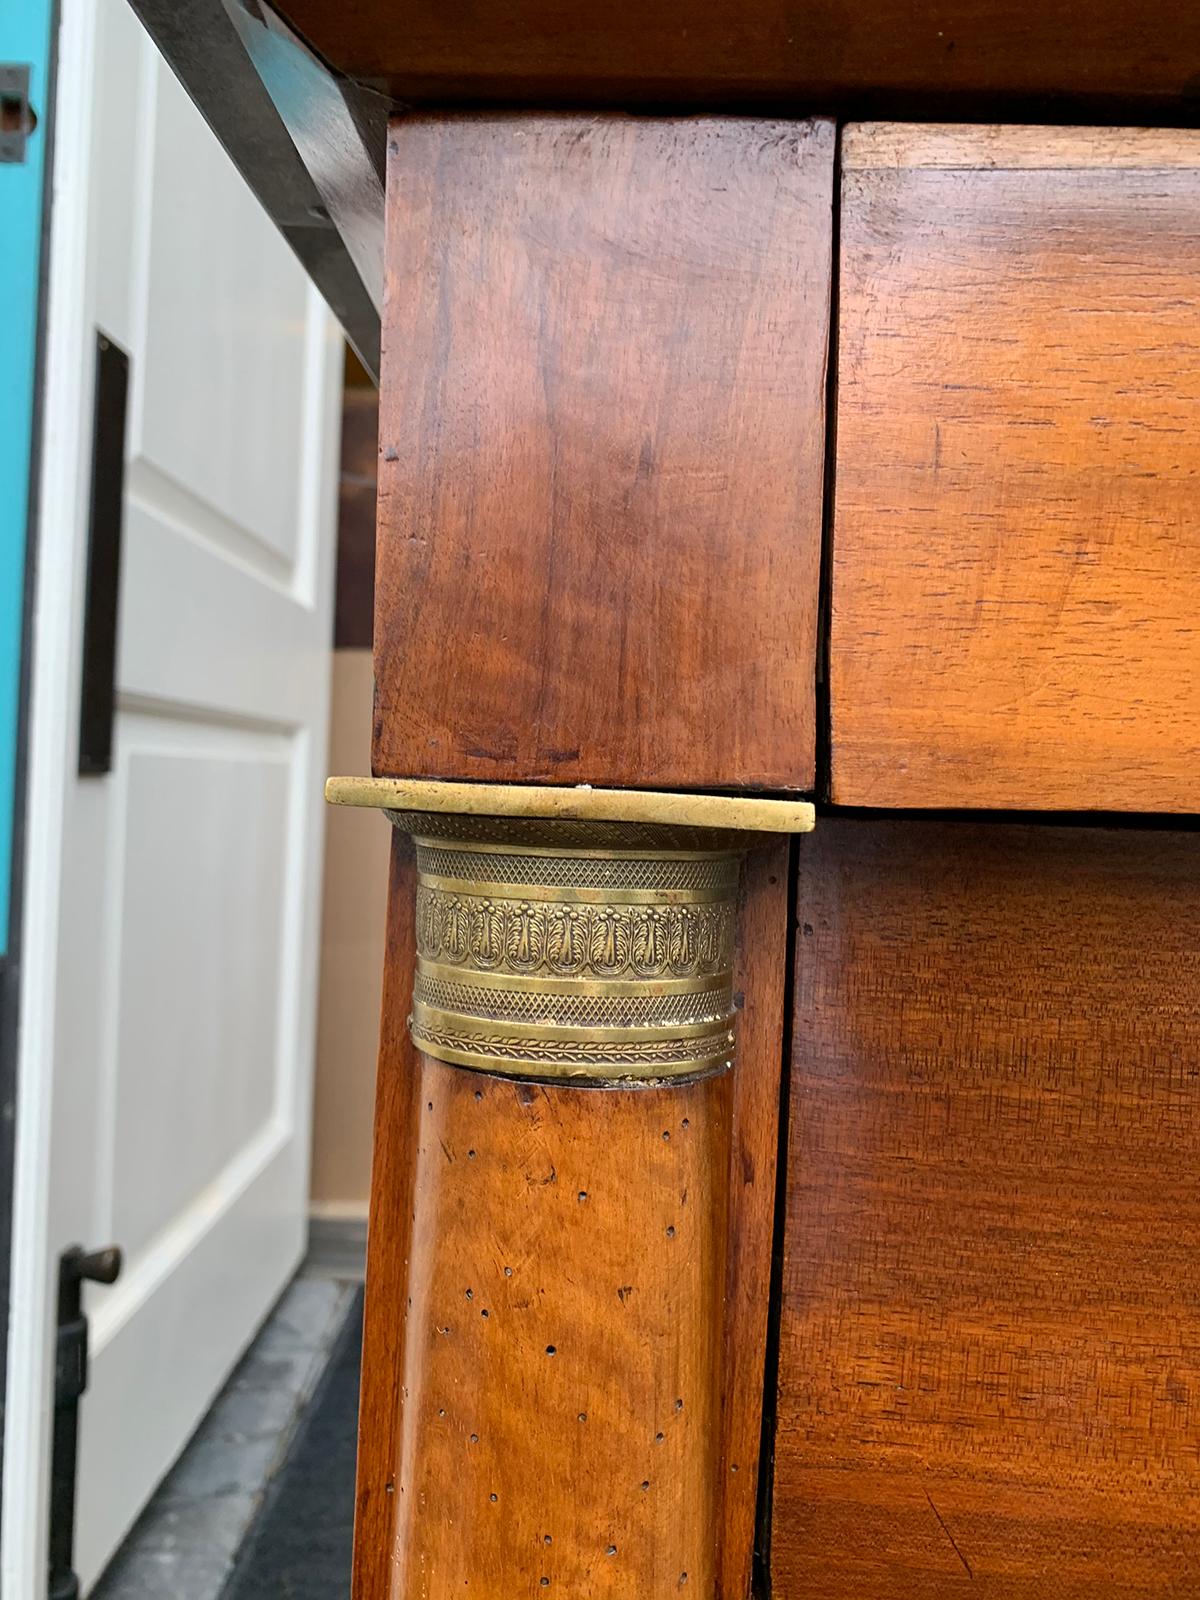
column 561, row 1211
column 573, row 1012
column 561, row 1419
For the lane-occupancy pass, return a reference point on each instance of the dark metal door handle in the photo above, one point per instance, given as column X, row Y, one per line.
column 98, row 695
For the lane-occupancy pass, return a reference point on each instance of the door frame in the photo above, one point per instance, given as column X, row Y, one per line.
column 61, row 546
column 40, row 28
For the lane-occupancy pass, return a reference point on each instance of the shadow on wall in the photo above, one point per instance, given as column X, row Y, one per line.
column 356, row 846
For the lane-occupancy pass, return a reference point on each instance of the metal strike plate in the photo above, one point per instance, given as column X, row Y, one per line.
column 17, row 116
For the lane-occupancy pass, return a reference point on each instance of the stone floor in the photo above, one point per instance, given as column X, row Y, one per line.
column 183, row 1545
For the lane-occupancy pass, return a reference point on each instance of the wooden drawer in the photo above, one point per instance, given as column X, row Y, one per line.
column 989, row 1358
column 602, row 437
column 1016, row 551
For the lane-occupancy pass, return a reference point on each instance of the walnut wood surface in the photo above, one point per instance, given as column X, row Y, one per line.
column 1016, row 548
column 562, row 1347
column 749, row 1122
column 990, row 1343
column 707, row 53
column 601, row 435
column 759, row 975
column 389, row 1236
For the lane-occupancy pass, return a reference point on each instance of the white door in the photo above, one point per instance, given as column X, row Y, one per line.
column 167, row 1026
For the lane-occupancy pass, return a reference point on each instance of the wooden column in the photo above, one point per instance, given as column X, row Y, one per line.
column 601, row 458
column 555, row 1394
column 562, row 1347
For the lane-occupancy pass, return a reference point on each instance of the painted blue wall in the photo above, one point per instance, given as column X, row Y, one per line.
column 24, row 37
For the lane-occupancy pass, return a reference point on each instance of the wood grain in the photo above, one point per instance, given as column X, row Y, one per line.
column 950, row 146
column 602, row 434
column 759, row 980
column 562, row 1353
column 389, row 1238
column 990, row 1346
column 1016, row 551
column 707, row 54
column 750, row 1135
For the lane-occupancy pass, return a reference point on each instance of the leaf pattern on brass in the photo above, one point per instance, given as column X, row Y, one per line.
column 648, row 942
column 584, row 1051
column 525, row 943
column 566, row 940
column 606, row 941
column 608, row 946
column 429, row 924
column 683, row 940
column 487, row 934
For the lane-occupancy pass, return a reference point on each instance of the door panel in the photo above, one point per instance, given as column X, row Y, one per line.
column 181, row 1035
column 242, row 338
column 199, row 974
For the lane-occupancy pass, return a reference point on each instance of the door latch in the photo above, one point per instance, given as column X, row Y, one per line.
column 75, row 1267
column 17, row 117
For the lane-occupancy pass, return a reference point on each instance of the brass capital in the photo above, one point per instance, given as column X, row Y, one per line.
column 574, row 934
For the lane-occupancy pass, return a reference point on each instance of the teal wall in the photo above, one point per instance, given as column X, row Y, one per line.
column 24, row 37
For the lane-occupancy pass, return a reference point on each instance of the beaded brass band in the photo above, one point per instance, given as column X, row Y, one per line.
column 569, row 949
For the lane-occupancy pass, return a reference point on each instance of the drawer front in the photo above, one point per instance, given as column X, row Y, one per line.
column 1016, row 537
column 989, row 1355
column 602, row 440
